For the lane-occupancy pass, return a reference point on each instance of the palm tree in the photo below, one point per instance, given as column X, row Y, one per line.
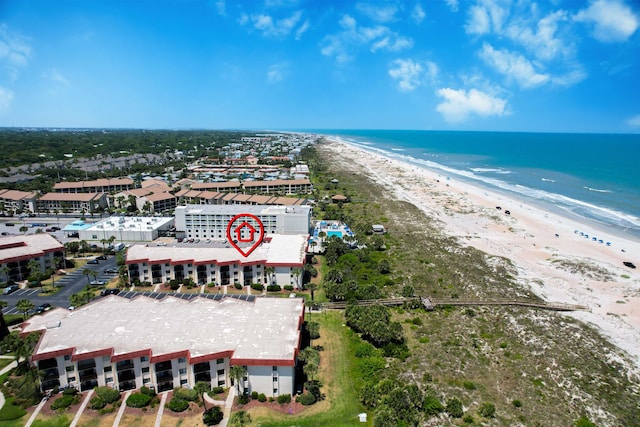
column 237, row 374
column 89, row 273
column 4, row 329
column 34, row 269
column 296, row 272
column 104, row 242
column 5, row 271
column 24, row 305
column 270, row 271
column 24, row 229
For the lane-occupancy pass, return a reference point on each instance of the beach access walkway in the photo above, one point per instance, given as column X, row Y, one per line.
column 431, row 303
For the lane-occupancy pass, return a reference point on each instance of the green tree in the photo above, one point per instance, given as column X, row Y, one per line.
column 89, row 273
column 24, row 229
column 270, row 272
column 454, row 407
column 296, row 273
column 4, row 329
column 487, row 410
column 237, row 374
column 24, row 306
column 201, row 388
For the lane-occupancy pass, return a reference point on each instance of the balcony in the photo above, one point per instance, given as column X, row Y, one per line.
column 126, row 385
column 124, row 365
column 164, row 375
column 203, row 376
column 87, row 374
column 128, row 375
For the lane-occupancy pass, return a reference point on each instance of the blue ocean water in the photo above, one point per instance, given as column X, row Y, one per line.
column 593, row 176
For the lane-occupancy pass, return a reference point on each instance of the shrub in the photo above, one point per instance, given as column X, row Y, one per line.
column 64, row 402
column 148, row 391
column 237, row 285
column 262, row 397
column 287, row 288
column 307, row 399
column 583, row 421
column 138, row 400
column 69, row 391
column 275, row 288
column 284, row 398
column 432, row 405
column 97, row 403
column 254, row 395
column 487, row 410
column 468, row 419
column 177, row 404
column 217, row 390
column 454, row 407
column 189, row 395
column 469, row 385
column 257, row 287
column 212, row 416
column 108, row 394
column 174, row 284
column 244, row 399
column 516, row 403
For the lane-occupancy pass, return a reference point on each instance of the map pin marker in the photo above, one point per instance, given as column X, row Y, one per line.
column 245, row 228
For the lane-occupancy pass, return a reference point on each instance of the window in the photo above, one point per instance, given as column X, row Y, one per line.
column 71, row 379
column 275, row 391
column 221, row 383
column 145, row 370
column 219, row 361
column 220, row 371
column 182, row 371
column 107, row 368
column 181, row 360
column 183, row 381
column 69, row 368
column 275, row 379
column 67, row 357
column 144, row 359
column 274, row 369
column 146, row 380
column 109, row 379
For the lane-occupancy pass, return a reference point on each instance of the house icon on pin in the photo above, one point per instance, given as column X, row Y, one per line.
column 238, row 231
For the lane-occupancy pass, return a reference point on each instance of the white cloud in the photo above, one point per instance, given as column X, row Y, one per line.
column 353, row 36
column 302, row 29
column 634, row 121
column 410, row 74
column 459, row 104
column 407, row 73
column 514, row 66
column 221, row 7
column 612, row 20
column 277, row 72
column 55, row 76
column 543, row 41
column 15, row 52
column 417, row 14
column 280, row 28
column 486, row 16
column 6, row 98
column 453, row 5
column 386, row 13
column 478, row 22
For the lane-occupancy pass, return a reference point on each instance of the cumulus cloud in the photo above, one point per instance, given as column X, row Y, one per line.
column 276, row 28
column 354, row 36
column 221, row 7
column 453, row 5
column 634, row 121
column 417, row 14
column 6, row 98
column 410, row 74
column 15, row 52
column 542, row 40
column 458, row 105
column 55, row 76
column 379, row 13
column 611, row 20
column 486, row 16
column 514, row 66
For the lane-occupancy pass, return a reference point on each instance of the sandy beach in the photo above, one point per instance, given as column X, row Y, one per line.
column 531, row 237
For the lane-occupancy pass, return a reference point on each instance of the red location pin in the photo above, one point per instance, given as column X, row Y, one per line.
column 245, row 228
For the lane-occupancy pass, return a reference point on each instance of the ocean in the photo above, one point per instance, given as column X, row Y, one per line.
column 593, row 176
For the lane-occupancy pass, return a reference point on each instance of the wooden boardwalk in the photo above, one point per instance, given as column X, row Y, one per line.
column 431, row 303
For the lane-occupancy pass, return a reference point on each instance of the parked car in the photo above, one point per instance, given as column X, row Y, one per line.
column 43, row 307
column 10, row 289
column 106, row 292
column 111, row 271
column 97, row 283
column 101, row 257
column 93, row 261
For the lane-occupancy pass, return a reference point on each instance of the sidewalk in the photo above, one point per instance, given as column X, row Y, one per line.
column 4, row 370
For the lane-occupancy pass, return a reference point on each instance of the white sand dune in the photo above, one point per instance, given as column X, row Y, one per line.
column 529, row 236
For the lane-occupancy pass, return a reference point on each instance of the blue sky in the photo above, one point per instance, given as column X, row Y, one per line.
column 292, row 64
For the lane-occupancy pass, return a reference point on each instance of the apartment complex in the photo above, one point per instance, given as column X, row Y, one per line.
column 16, row 253
column 15, row 200
column 178, row 343
column 273, row 262
column 210, row 221
column 106, row 185
column 71, row 202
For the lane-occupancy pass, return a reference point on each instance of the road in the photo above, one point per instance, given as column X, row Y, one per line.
column 70, row 284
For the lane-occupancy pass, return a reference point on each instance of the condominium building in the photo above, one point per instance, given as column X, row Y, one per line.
column 15, row 200
column 274, row 262
column 104, row 185
column 171, row 342
column 211, row 221
column 18, row 252
column 71, row 202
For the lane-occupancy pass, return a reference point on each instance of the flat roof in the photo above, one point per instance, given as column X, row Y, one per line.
column 250, row 209
column 129, row 223
column 265, row 330
column 276, row 250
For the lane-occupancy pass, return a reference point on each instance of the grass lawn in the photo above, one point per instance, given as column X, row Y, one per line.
column 341, row 407
column 4, row 362
column 11, row 412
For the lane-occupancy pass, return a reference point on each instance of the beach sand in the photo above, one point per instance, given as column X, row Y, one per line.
column 529, row 236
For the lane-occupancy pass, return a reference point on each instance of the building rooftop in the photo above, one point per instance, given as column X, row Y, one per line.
column 132, row 223
column 265, row 331
column 250, row 209
column 276, row 250
column 16, row 248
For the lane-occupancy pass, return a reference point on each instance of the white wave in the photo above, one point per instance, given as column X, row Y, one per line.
column 548, row 180
column 597, row 190
column 398, row 149
column 491, row 170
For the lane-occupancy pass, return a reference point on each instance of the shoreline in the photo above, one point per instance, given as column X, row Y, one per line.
column 531, row 236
